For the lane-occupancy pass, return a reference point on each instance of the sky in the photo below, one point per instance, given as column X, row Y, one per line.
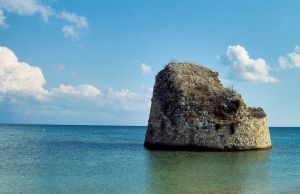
column 94, row 62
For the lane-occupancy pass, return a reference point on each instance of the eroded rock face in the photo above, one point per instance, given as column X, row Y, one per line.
column 192, row 110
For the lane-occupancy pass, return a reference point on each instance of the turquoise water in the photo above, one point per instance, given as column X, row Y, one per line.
column 101, row 159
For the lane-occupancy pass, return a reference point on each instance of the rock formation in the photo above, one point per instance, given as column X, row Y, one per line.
column 192, row 110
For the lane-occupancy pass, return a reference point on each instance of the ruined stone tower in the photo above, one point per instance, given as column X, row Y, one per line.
column 191, row 110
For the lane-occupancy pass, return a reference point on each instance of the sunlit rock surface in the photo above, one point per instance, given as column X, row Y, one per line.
column 191, row 110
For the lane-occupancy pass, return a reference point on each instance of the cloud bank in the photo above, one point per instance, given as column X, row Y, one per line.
column 25, row 7
column 76, row 24
column 23, row 94
column 243, row 67
column 83, row 90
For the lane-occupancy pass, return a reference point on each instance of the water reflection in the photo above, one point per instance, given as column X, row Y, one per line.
column 209, row 172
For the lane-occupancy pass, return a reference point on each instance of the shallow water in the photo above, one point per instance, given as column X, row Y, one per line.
column 105, row 159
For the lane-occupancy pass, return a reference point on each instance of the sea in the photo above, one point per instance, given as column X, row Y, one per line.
column 112, row 159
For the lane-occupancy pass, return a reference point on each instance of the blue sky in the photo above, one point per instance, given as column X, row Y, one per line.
column 94, row 62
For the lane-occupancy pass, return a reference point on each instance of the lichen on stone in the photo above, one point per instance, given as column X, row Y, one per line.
column 191, row 109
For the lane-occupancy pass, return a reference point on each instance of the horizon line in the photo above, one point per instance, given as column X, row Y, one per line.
column 111, row 125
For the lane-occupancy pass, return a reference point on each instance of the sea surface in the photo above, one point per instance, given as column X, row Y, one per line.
column 107, row 159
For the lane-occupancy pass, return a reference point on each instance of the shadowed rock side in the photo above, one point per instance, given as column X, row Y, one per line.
column 191, row 110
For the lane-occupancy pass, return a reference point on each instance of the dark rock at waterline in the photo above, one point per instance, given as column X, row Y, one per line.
column 192, row 110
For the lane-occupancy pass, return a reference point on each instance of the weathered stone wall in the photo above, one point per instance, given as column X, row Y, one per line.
column 192, row 110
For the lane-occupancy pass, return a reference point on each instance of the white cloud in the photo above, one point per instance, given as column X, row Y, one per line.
column 26, row 7
column 291, row 60
column 84, row 96
column 146, row 69
column 81, row 90
column 122, row 94
column 23, row 95
column 127, row 100
column 78, row 24
column 20, row 77
column 75, row 24
column 69, row 32
column 242, row 67
column 2, row 19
